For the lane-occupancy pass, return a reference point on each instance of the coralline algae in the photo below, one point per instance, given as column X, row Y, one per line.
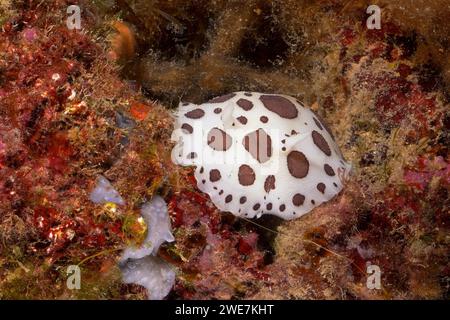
column 141, row 265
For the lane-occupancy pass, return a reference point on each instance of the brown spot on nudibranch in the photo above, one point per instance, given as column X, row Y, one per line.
column 246, row 175
column 318, row 123
column 228, row 198
column 324, row 124
column 187, row 127
column 298, row 164
column 298, row 199
column 245, row 104
column 259, row 144
column 195, row 114
column 223, row 98
column 217, row 110
column 321, row 143
column 242, row 200
column 256, row 206
column 269, row 206
column 321, row 187
column 242, row 119
column 214, row 175
column 280, row 105
column 192, row 155
column 282, row 207
column 264, row 119
column 328, row 170
column 219, row 140
column 269, row 183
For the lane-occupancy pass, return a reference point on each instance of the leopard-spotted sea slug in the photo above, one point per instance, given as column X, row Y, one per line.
column 259, row 154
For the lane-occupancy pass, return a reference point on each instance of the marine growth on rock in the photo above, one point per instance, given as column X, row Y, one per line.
column 259, row 154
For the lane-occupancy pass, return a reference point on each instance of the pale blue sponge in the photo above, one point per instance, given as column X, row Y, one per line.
column 140, row 265
column 104, row 192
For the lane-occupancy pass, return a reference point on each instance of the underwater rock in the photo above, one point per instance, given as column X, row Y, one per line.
column 259, row 154
column 157, row 220
column 152, row 273
column 124, row 122
column 104, row 192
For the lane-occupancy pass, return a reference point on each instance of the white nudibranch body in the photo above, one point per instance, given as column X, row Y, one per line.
column 259, row 154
